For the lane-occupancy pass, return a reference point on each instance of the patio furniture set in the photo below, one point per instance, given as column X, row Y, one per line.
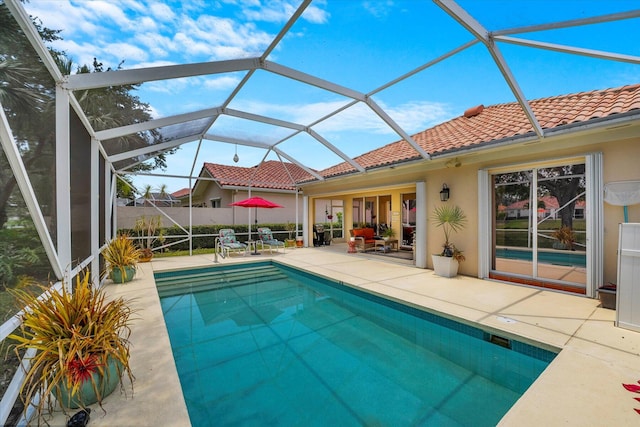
column 228, row 243
column 366, row 239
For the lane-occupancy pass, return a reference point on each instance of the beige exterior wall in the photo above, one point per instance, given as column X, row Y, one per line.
column 620, row 147
column 621, row 163
column 127, row 216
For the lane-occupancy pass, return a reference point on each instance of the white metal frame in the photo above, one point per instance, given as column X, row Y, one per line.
column 60, row 255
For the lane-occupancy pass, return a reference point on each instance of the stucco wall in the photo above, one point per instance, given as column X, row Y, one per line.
column 225, row 215
column 621, row 163
column 127, row 216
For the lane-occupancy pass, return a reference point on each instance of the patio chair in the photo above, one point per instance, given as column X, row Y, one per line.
column 229, row 243
column 364, row 237
column 266, row 236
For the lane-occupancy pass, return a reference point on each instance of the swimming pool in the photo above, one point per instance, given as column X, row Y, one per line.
column 271, row 345
column 566, row 258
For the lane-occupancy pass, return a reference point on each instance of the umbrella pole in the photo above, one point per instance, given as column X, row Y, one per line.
column 255, row 243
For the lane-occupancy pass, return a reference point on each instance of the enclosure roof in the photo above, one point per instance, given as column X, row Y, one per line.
column 324, row 82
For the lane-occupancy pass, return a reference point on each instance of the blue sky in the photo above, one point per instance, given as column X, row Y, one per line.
column 358, row 44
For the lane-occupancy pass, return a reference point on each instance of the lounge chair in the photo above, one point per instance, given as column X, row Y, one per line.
column 229, row 243
column 266, row 236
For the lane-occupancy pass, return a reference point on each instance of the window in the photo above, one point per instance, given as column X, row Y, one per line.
column 216, row 203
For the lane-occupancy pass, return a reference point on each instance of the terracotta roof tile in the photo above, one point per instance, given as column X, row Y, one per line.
column 501, row 121
column 271, row 174
column 181, row 193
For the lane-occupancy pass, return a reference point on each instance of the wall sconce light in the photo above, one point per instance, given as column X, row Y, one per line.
column 444, row 193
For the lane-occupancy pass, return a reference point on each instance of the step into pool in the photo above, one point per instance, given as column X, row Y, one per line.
column 268, row 345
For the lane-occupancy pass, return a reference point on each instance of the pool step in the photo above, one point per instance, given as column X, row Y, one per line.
column 223, row 273
column 198, row 282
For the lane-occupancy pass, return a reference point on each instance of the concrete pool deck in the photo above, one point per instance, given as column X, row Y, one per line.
column 582, row 386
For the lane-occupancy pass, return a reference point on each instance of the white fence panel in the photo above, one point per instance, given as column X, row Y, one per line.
column 628, row 292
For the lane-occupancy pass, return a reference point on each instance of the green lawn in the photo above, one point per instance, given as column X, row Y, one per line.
column 514, row 232
column 201, row 251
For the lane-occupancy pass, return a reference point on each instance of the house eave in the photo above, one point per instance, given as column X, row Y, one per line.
column 258, row 189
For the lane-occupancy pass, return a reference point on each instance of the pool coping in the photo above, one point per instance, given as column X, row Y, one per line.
column 582, row 385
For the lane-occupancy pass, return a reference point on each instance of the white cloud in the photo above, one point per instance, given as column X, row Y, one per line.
column 378, row 9
column 190, row 46
column 162, row 12
column 102, row 10
column 221, row 83
column 281, row 11
column 126, row 51
column 316, row 15
column 271, row 12
column 62, row 15
column 220, row 38
column 81, row 54
column 157, row 44
column 173, row 86
column 412, row 116
column 416, row 116
column 146, row 24
column 159, row 63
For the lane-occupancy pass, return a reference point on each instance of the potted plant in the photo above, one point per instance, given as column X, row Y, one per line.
column 388, row 233
column 452, row 219
column 81, row 343
column 565, row 238
column 291, row 229
column 607, row 294
column 121, row 256
column 146, row 229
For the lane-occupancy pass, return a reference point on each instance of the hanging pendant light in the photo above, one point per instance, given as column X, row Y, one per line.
column 235, row 156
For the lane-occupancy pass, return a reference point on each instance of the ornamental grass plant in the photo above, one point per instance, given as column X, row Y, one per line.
column 75, row 335
column 121, row 253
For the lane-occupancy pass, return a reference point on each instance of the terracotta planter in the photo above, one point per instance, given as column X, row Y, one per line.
column 445, row 266
column 145, row 255
column 299, row 241
column 117, row 276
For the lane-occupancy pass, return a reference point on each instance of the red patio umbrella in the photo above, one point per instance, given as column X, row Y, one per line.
column 256, row 202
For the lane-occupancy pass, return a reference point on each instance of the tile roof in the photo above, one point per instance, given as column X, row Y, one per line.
column 484, row 125
column 270, row 174
column 550, row 202
column 181, row 193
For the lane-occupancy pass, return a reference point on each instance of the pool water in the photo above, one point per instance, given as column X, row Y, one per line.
column 273, row 346
column 555, row 257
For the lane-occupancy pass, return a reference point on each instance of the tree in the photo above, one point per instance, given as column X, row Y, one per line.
column 98, row 106
column 564, row 183
column 27, row 93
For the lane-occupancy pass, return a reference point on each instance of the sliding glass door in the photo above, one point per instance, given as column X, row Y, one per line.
column 539, row 226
